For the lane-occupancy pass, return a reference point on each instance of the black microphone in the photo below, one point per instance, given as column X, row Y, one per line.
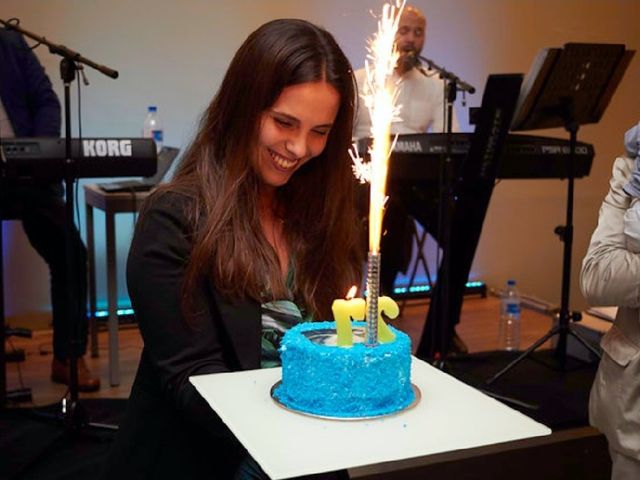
column 412, row 59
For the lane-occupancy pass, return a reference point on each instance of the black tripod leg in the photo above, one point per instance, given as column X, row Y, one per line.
column 103, row 426
column 513, row 401
column 524, row 354
column 586, row 344
column 80, row 418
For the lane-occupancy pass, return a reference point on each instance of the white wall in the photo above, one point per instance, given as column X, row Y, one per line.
column 174, row 54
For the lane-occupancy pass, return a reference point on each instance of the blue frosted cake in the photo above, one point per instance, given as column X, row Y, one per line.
column 357, row 381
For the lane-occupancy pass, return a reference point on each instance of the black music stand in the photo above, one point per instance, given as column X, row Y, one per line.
column 567, row 88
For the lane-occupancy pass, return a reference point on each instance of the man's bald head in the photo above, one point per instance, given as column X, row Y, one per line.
column 411, row 30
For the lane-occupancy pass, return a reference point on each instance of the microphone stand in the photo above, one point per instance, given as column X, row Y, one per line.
column 451, row 78
column 441, row 336
column 58, row 49
column 71, row 411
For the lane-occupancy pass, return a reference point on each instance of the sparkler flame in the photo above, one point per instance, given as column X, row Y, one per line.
column 361, row 169
column 380, row 98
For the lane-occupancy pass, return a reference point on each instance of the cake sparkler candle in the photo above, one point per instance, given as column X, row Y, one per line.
column 380, row 98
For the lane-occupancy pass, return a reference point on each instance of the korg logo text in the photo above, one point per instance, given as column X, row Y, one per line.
column 106, row 148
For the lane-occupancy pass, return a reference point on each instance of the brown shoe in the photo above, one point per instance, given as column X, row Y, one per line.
column 86, row 381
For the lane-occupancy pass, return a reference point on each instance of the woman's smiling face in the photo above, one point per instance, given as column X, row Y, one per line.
column 294, row 130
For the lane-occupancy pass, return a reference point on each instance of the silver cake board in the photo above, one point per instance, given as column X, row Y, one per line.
column 450, row 416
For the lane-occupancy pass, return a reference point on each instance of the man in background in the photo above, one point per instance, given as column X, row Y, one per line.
column 421, row 93
column 30, row 108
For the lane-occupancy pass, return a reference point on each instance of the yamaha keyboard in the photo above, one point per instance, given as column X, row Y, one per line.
column 416, row 157
column 45, row 158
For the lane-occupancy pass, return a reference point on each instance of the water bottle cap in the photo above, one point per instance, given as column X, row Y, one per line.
column 152, row 108
column 511, row 283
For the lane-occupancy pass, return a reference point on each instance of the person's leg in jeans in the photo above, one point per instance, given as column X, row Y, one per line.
column 43, row 220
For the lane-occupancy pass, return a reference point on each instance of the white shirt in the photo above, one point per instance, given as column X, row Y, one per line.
column 422, row 100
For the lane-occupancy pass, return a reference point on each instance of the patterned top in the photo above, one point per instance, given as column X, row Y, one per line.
column 277, row 317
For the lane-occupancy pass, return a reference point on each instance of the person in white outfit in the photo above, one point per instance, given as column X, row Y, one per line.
column 611, row 276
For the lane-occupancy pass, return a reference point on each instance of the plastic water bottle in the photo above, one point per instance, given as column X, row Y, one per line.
column 153, row 127
column 509, row 333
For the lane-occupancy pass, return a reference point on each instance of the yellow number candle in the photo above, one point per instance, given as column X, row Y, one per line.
column 391, row 310
column 343, row 312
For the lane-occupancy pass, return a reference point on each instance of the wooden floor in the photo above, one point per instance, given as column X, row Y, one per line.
column 478, row 328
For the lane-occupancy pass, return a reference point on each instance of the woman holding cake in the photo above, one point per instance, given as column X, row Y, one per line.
column 256, row 232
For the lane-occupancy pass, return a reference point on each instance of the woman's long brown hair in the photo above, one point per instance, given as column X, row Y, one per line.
column 319, row 213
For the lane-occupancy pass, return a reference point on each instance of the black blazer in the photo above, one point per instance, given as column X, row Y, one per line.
column 169, row 430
